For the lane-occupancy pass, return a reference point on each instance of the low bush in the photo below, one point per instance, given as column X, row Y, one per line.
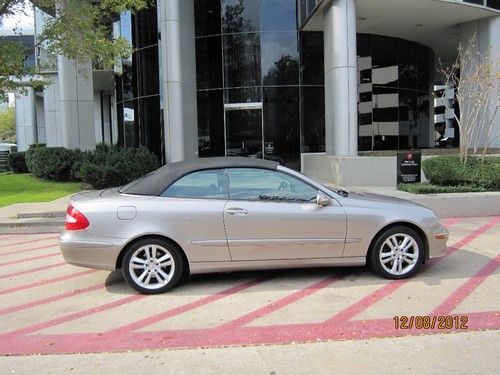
column 109, row 166
column 52, row 163
column 450, row 171
column 17, row 162
column 426, row 188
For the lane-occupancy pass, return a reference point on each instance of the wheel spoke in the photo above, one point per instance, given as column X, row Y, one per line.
column 164, row 275
column 394, row 266
column 153, row 252
column 394, row 242
column 405, row 242
column 164, row 258
column 400, row 265
column 148, row 253
column 389, row 243
column 166, row 263
column 136, row 260
column 411, row 255
column 138, row 266
column 148, row 279
column 385, row 255
column 409, row 246
column 143, row 275
column 388, row 260
column 409, row 260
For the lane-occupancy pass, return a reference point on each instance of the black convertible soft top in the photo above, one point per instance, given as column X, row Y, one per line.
column 156, row 182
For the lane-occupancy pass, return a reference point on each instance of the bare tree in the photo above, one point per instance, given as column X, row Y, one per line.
column 476, row 79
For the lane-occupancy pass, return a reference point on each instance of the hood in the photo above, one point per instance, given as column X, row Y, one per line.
column 377, row 199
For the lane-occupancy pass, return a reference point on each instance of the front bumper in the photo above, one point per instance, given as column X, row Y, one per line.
column 79, row 248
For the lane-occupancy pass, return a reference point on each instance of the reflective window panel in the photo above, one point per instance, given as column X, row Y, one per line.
column 146, row 27
column 207, row 17
column 278, row 15
column 282, row 125
column 210, row 123
column 244, row 132
column 148, row 79
column 240, row 16
column 312, row 61
column 280, row 58
column 209, row 62
column 241, row 60
column 243, row 95
column 313, row 118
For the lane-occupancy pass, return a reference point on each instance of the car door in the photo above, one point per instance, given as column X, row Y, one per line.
column 272, row 215
column 190, row 211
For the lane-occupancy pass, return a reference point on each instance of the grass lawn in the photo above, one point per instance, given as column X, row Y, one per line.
column 24, row 188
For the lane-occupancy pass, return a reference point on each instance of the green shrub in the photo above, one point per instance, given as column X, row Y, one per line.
column 450, row 171
column 426, row 188
column 52, row 163
column 17, row 162
column 109, row 166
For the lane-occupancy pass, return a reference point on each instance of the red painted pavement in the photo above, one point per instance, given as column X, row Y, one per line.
column 340, row 326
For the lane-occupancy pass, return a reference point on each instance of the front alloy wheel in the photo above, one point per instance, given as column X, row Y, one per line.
column 397, row 253
column 152, row 266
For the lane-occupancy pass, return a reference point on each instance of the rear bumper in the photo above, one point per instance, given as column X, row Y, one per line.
column 80, row 248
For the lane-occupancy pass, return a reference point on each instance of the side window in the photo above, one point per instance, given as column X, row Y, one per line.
column 267, row 185
column 209, row 184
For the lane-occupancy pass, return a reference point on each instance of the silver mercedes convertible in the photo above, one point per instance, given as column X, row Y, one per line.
column 228, row 214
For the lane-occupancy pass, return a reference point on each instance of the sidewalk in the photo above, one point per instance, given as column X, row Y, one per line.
column 43, row 214
column 52, row 214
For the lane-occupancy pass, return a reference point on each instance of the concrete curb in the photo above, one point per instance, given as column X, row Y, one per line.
column 39, row 215
column 26, row 223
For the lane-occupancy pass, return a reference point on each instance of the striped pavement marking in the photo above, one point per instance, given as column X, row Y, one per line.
column 129, row 336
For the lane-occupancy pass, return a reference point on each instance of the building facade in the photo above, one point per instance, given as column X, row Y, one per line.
column 271, row 79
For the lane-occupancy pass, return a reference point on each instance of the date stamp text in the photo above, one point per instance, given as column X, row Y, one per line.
column 431, row 322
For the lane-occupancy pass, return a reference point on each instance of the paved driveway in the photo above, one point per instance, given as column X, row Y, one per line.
column 47, row 306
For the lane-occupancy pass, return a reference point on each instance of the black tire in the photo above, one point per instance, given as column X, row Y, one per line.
column 163, row 248
column 381, row 247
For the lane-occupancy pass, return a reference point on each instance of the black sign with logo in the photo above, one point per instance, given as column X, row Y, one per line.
column 409, row 164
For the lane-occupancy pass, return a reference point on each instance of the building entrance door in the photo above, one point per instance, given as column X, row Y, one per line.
column 244, row 132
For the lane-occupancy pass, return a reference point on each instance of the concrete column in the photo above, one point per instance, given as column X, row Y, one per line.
column 77, row 101
column 178, row 79
column 341, row 92
column 52, row 112
column 26, row 130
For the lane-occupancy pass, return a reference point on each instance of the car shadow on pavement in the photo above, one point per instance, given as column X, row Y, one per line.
column 461, row 265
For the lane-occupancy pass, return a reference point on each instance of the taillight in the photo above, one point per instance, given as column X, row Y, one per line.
column 75, row 220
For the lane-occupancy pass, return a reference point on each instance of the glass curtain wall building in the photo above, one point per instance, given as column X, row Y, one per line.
column 139, row 111
column 249, row 80
column 260, row 84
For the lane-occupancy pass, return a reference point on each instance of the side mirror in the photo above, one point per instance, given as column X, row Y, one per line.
column 322, row 200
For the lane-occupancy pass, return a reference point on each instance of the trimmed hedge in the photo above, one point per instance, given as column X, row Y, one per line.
column 16, row 162
column 52, row 163
column 450, row 171
column 109, row 166
column 426, row 188
column 106, row 166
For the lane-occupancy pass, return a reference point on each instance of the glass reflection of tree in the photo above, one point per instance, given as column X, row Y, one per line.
column 233, row 20
column 242, row 51
column 284, row 72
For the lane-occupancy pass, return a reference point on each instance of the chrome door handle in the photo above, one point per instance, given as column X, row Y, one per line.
column 237, row 211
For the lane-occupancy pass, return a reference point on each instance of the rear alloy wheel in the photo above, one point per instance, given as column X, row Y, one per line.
column 152, row 266
column 397, row 253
